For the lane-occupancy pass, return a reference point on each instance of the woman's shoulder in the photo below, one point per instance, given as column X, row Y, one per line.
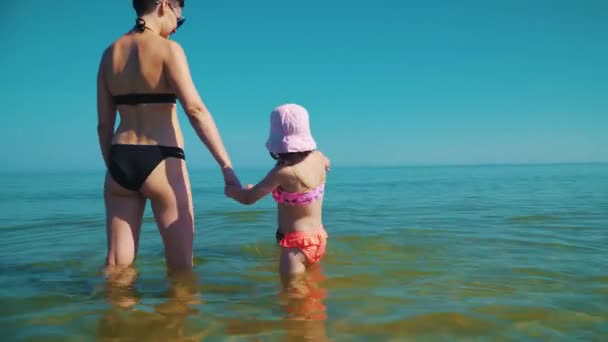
column 106, row 56
column 114, row 46
column 158, row 43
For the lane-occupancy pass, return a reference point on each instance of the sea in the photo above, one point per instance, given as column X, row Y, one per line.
column 415, row 253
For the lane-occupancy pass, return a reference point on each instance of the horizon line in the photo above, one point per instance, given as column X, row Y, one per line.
column 334, row 165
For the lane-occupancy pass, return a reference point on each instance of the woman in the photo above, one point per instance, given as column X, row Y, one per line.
column 140, row 76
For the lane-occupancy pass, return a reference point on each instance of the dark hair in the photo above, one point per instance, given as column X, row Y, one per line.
column 290, row 158
column 142, row 7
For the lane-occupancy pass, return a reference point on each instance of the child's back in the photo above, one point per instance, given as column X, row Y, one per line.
column 300, row 195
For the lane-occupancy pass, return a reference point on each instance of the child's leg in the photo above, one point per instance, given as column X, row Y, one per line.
column 292, row 263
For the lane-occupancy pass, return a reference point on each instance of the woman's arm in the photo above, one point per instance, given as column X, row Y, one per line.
column 201, row 120
column 106, row 113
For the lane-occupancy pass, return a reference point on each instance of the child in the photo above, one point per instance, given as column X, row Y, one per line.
column 297, row 184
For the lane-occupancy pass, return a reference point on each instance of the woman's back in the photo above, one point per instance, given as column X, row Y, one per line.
column 135, row 65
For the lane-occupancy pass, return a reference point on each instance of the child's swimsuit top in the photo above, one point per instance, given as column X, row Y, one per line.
column 299, row 198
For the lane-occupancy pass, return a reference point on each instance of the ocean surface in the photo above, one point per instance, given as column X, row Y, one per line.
column 415, row 253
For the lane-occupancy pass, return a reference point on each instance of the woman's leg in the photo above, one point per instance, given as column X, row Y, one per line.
column 168, row 188
column 124, row 212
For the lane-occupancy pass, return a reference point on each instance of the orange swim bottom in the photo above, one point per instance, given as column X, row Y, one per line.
column 312, row 243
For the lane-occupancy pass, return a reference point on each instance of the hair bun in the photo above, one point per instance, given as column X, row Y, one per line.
column 140, row 24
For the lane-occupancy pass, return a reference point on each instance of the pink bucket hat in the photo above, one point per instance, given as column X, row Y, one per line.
column 290, row 130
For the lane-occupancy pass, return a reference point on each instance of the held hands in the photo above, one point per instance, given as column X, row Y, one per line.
column 231, row 181
column 233, row 191
column 232, row 185
column 230, row 177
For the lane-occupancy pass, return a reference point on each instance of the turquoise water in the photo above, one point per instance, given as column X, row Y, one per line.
column 441, row 253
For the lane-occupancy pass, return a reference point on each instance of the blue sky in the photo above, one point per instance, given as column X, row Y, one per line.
column 386, row 82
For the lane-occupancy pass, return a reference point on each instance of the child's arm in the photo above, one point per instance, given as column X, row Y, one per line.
column 326, row 161
column 251, row 194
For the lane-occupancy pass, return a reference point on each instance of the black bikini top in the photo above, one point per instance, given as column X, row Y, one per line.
column 134, row 98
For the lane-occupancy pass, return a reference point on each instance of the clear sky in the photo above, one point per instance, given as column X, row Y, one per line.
column 386, row 82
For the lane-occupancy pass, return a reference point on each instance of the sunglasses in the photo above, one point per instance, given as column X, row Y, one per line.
column 180, row 19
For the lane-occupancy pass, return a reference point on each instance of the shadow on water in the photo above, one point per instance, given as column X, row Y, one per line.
column 303, row 301
column 166, row 321
column 303, row 313
column 299, row 308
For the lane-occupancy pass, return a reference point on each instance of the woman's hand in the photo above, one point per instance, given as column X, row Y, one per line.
column 230, row 177
column 236, row 192
column 232, row 191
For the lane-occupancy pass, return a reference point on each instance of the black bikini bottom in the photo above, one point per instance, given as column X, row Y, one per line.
column 130, row 165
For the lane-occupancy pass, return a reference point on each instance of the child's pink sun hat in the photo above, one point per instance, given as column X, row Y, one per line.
column 290, row 130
